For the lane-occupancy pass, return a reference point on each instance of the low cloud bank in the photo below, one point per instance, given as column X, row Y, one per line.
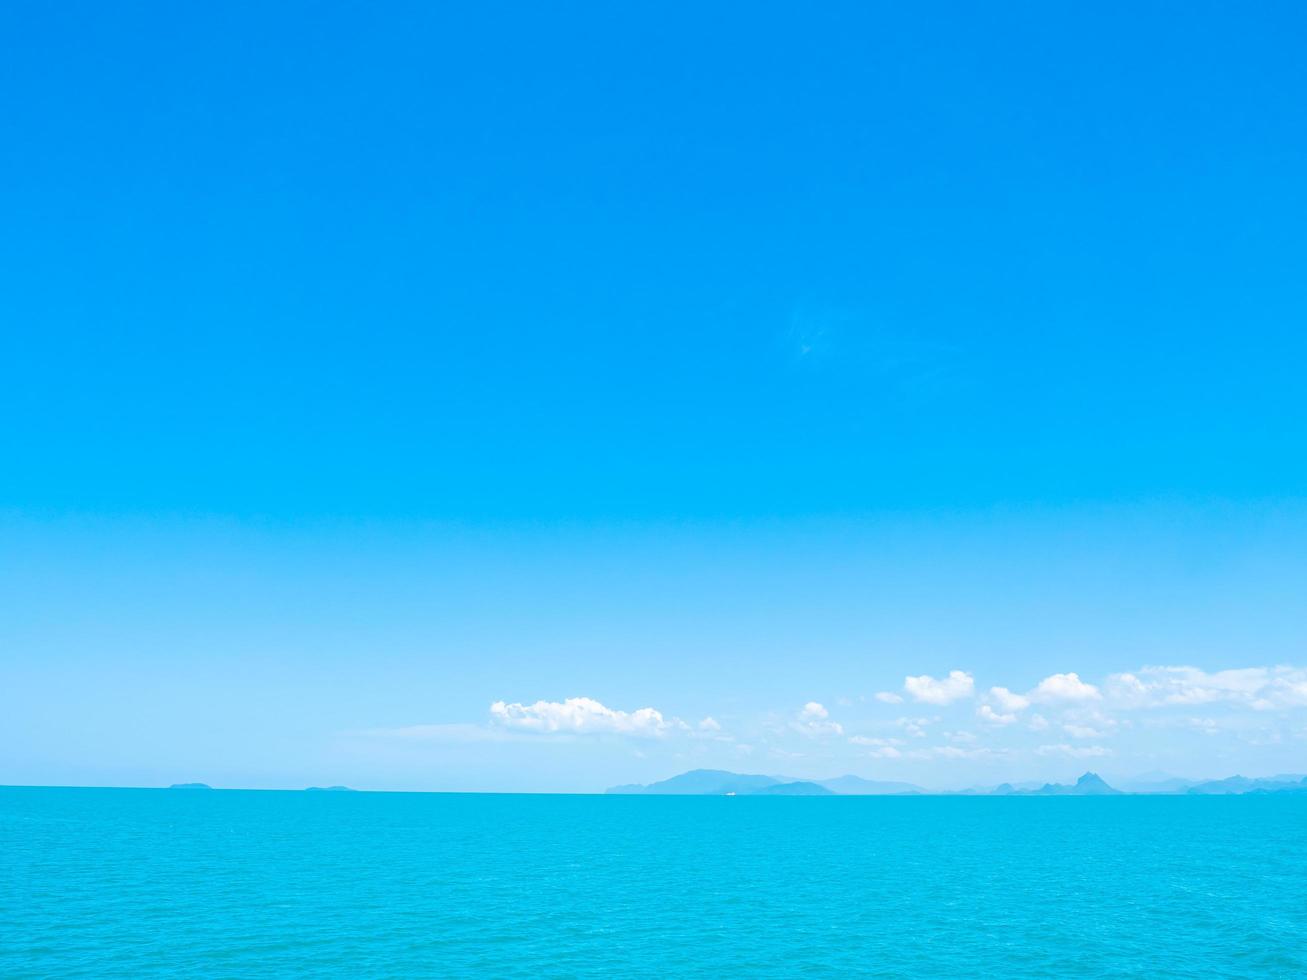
column 580, row 716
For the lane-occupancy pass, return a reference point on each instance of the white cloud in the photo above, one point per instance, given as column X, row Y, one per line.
column 987, row 714
column 1007, row 700
column 952, row 752
column 813, row 711
column 1074, row 751
column 814, row 720
column 1037, row 723
column 956, row 686
column 1082, row 731
column 880, row 748
column 580, row 716
column 1290, row 689
column 916, row 727
column 1064, row 687
column 709, row 724
column 888, row 697
column 1260, row 688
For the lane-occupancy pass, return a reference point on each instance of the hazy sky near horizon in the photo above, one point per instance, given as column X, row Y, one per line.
column 487, row 397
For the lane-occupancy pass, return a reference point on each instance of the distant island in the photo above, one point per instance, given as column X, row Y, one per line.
column 310, row 789
column 719, row 782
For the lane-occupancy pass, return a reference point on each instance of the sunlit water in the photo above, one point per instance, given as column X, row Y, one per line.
column 230, row 884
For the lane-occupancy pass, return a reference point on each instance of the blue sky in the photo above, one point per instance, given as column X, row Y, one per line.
column 362, row 369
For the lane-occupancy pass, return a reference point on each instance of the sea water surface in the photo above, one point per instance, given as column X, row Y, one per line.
column 115, row 882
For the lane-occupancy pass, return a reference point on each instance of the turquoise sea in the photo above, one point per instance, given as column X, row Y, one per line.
column 112, row 882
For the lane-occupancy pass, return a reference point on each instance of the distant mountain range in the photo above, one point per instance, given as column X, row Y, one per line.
column 1090, row 784
column 1242, row 784
column 719, row 782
